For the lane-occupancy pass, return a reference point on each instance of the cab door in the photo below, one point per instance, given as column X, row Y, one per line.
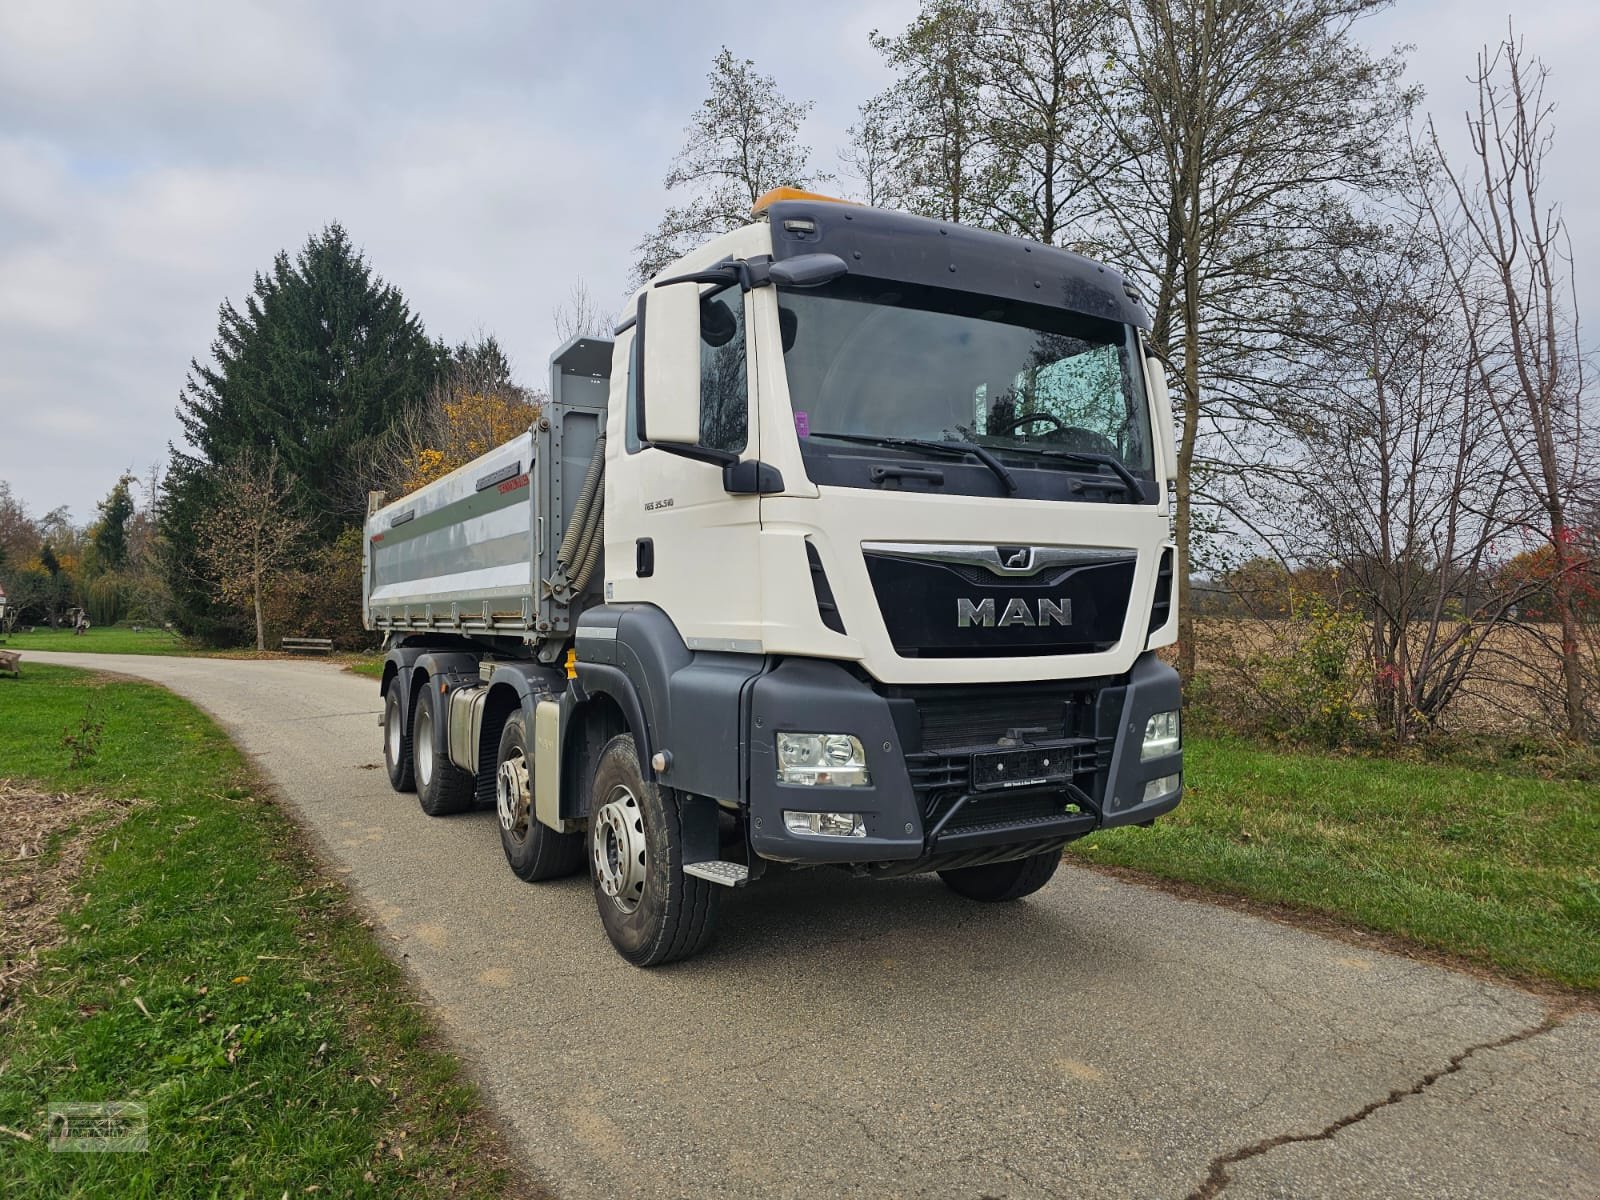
column 675, row 537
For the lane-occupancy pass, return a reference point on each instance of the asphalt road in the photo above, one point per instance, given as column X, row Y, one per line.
column 865, row 1038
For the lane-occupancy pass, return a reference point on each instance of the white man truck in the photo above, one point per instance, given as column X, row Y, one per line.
column 852, row 549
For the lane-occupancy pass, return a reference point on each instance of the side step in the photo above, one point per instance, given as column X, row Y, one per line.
column 728, row 874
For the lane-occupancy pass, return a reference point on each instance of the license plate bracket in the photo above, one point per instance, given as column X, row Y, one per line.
column 1026, row 766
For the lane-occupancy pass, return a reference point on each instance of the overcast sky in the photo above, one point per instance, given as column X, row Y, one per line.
column 484, row 155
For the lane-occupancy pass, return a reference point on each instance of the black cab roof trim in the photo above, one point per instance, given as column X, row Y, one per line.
column 881, row 244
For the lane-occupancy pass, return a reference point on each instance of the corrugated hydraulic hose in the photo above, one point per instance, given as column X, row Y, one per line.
column 580, row 547
column 593, row 556
column 586, row 494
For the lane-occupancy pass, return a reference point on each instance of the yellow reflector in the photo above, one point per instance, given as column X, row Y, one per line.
column 572, row 664
column 789, row 193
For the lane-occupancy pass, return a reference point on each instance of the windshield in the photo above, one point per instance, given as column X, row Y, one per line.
column 875, row 364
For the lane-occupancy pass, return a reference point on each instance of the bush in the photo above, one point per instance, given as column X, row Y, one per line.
column 1304, row 681
column 324, row 598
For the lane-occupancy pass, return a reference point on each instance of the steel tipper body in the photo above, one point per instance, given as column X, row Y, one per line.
column 886, row 558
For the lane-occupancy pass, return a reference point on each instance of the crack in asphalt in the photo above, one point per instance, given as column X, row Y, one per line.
column 1218, row 1176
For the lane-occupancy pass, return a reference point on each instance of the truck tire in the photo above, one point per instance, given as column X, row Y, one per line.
column 1003, row 880
column 397, row 745
column 443, row 788
column 652, row 912
column 534, row 851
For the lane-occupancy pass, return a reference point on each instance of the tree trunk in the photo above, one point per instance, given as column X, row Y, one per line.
column 1191, row 421
column 1571, row 668
column 261, row 628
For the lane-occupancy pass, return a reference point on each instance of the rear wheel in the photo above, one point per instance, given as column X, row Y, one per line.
column 653, row 913
column 397, row 745
column 534, row 851
column 1005, row 880
column 442, row 787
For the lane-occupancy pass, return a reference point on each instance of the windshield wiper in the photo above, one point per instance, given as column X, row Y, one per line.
column 1131, row 488
column 959, row 449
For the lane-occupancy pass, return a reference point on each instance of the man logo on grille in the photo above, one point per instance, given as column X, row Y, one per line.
column 1016, row 612
column 1015, row 558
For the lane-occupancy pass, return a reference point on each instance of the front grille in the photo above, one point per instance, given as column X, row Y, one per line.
column 933, row 608
column 934, row 772
column 953, row 724
column 978, row 717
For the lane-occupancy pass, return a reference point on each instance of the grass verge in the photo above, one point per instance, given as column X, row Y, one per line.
column 364, row 664
column 1495, row 868
column 113, row 639
column 118, row 639
column 212, row 974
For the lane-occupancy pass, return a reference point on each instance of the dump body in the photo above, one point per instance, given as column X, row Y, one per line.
column 474, row 552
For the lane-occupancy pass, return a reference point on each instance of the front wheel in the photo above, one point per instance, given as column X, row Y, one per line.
column 397, row 745
column 1004, row 880
column 652, row 912
column 534, row 851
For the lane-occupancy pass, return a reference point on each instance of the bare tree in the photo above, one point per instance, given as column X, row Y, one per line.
column 253, row 531
column 1512, row 250
column 581, row 315
column 744, row 140
column 872, row 156
column 1230, row 128
column 944, row 164
column 1035, row 57
column 1400, row 482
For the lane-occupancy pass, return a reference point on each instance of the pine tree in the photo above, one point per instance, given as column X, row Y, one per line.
column 110, row 534
column 322, row 359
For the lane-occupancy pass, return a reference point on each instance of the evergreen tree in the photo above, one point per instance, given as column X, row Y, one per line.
column 110, row 535
column 321, row 360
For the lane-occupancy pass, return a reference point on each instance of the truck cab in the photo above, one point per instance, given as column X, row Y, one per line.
column 880, row 554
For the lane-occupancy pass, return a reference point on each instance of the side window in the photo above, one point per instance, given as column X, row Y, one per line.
column 724, row 386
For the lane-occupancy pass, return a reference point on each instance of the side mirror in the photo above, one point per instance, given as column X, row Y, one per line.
column 1163, row 413
column 671, row 332
column 807, row 270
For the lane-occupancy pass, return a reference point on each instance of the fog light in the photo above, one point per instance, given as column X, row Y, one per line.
column 1164, row 786
column 825, row 824
column 822, row 760
column 1160, row 736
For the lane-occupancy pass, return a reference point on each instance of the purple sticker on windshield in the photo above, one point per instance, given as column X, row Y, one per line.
column 802, row 423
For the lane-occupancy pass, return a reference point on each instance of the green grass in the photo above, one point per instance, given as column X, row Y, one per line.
column 365, row 664
column 1498, row 868
column 113, row 639
column 214, row 975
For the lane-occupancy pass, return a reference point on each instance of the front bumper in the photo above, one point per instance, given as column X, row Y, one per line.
column 937, row 755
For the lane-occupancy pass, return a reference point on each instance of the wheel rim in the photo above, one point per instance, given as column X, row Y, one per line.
column 511, row 798
column 424, row 737
column 617, row 848
column 392, row 732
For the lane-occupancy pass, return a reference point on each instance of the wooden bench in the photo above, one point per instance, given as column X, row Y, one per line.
column 11, row 663
column 304, row 645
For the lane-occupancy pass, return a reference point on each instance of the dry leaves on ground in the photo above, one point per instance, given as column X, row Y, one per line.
column 36, row 874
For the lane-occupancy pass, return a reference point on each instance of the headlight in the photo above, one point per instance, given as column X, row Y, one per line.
column 822, row 760
column 1160, row 736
